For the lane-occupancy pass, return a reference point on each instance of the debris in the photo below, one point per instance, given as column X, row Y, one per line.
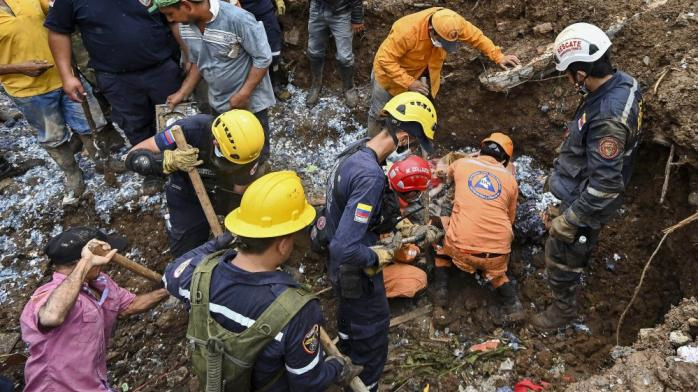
column 545, row 108
column 527, row 385
column 621, row 351
column 678, row 338
column 646, row 60
column 688, row 354
column 292, row 36
column 504, row 389
column 693, row 326
column 543, row 28
column 506, row 366
column 667, row 174
column 410, row 315
column 485, row 346
column 8, row 340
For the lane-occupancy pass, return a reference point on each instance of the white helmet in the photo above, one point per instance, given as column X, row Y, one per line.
column 573, row 44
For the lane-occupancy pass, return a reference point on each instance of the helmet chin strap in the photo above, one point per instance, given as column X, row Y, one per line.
column 582, row 85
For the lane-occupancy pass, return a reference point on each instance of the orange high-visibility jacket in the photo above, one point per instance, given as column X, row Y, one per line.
column 407, row 52
column 484, row 206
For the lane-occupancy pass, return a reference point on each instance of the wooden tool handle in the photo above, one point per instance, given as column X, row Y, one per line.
column 128, row 264
column 356, row 384
column 199, row 188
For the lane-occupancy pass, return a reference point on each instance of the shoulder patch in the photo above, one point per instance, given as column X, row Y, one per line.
column 609, row 147
column 311, row 340
column 180, row 268
column 362, row 213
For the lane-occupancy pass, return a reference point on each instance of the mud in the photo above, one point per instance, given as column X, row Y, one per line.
column 149, row 353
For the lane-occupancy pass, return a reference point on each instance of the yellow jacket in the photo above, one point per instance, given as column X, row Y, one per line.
column 407, row 52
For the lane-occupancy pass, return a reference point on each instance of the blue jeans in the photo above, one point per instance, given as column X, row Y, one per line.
column 321, row 23
column 54, row 115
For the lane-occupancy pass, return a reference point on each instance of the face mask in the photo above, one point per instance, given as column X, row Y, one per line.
column 435, row 42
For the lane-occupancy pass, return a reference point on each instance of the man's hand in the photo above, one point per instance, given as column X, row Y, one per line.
column 240, row 100
column 357, row 27
column 92, row 258
column 33, row 68
column 280, row 7
column 563, row 230
column 175, row 99
column 73, row 88
column 179, row 159
column 419, row 87
column 509, row 60
column 349, row 370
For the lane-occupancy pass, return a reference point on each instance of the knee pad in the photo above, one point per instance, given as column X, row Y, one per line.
column 144, row 162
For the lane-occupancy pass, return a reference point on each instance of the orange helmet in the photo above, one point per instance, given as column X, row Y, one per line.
column 502, row 141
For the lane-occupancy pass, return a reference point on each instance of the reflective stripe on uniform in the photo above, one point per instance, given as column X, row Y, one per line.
column 305, row 368
column 343, row 336
column 629, row 103
column 604, row 195
column 228, row 313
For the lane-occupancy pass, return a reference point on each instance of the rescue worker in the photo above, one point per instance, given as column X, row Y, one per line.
column 229, row 49
column 227, row 151
column 244, row 310
column 29, row 77
column 594, row 165
column 415, row 50
column 408, row 179
column 67, row 323
column 134, row 56
column 267, row 12
column 354, row 194
column 479, row 230
column 341, row 19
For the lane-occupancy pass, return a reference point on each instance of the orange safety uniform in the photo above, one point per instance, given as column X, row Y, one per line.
column 407, row 52
column 402, row 279
column 479, row 232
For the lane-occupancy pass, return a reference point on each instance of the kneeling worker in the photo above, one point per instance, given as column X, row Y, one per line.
column 226, row 150
column 245, row 311
column 479, row 232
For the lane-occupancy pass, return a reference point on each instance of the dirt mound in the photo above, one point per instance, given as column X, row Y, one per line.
column 652, row 363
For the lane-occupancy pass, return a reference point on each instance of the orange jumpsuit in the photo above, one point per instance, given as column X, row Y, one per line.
column 408, row 51
column 479, row 232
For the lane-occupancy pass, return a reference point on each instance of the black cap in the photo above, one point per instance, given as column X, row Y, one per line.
column 66, row 247
column 414, row 129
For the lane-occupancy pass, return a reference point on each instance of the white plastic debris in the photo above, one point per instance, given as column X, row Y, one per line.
column 687, row 354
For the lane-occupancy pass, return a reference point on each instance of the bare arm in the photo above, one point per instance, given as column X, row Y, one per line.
column 61, row 49
column 242, row 97
column 28, row 68
column 61, row 301
column 145, row 302
column 188, row 85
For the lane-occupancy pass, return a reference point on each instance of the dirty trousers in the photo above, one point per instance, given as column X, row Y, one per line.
column 321, row 23
column 494, row 268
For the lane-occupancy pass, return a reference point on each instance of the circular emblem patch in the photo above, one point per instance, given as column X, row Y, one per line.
column 485, row 185
column 311, row 340
column 609, row 147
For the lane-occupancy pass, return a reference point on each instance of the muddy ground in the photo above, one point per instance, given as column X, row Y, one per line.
column 148, row 352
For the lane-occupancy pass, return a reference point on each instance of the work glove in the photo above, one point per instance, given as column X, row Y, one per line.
column 404, row 226
column 280, row 7
column 563, row 230
column 426, row 234
column 349, row 370
column 179, row 159
column 385, row 256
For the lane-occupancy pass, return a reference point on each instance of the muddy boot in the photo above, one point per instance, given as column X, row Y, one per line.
column 316, row 65
column 74, row 184
column 279, row 82
column 100, row 156
column 350, row 94
column 440, row 316
column 561, row 312
column 512, row 310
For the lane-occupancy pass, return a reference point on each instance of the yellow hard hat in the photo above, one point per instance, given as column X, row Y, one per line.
column 274, row 205
column 503, row 141
column 239, row 136
column 412, row 107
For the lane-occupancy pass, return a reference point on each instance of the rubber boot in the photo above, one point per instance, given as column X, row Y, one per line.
column 74, row 184
column 316, row 65
column 103, row 161
column 374, row 127
column 279, row 81
column 511, row 306
column 440, row 316
column 350, row 94
column 561, row 312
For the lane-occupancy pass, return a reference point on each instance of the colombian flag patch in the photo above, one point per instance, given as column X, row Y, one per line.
column 362, row 213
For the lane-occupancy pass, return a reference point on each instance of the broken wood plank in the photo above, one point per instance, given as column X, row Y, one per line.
column 411, row 315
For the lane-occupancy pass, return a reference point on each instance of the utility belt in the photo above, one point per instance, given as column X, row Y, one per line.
column 353, row 282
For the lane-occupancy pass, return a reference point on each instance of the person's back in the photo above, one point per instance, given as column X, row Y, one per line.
column 484, row 206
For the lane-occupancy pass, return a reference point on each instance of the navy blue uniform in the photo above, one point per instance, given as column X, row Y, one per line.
column 265, row 12
column 362, row 321
column 238, row 298
column 189, row 225
column 132, row 52
column 591, row 174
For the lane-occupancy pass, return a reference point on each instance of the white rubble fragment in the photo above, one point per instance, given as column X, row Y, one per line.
column 687, row 354
column 678, row 338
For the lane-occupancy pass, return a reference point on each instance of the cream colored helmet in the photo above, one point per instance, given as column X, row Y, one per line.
column 579, row 42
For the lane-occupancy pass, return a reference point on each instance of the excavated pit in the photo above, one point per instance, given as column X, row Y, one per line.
column 149, row 352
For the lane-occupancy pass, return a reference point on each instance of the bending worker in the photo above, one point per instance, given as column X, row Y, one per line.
column 245, row 311
column 354, row 193
column 226, row 150
column 594, row 166
column 479, row 231
column 416, row 49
